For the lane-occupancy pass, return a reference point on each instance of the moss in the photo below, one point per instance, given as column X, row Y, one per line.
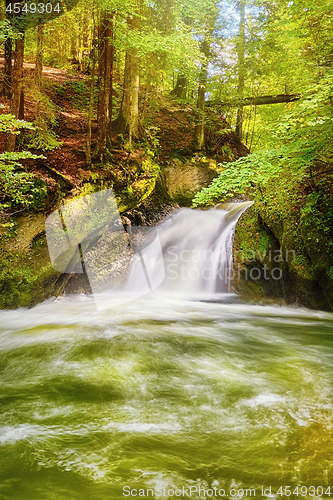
column 24, row 286
column 299, row 226
column 26, row 277
column 138, row 191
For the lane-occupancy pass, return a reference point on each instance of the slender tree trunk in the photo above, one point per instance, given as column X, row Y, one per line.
column 110, row 103
column 8, row 72
column 39, row 54
column 17, row 89
column 91, row 101
column 147, row 92
column 128, row 119
column 74, row 54
column 21, row 108
column 199, row 131
column 104, row 78
column 120, row 124
column 126, row 92
column 134, row 99
column 39, row 66
column 8, row 69
column 241, row 68
column 133, row 119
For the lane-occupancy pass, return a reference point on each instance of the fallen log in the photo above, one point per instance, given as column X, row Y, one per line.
column 258, row 101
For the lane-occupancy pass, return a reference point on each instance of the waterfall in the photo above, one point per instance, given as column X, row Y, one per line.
column 189, row 253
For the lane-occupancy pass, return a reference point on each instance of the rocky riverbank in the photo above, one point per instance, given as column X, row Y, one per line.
column 282, row 249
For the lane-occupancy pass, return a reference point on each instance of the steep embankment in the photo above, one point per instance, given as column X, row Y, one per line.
column 284, row 243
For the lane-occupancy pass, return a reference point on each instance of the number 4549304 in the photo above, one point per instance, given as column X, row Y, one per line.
column 303, row 491
column 17, row 8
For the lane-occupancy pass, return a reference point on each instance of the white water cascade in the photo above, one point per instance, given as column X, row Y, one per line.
column 193, row 255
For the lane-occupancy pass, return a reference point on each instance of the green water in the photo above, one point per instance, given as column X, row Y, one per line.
column 164, row 394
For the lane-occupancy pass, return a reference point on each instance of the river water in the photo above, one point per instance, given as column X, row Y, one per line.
column 164, row 395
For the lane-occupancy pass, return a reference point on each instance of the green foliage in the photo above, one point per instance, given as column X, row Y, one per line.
column 8, row 123
column 6, row 31
column 26, row 279
column 318, row 212
column 239, row 175
column 304, row 135
column 80, row 94
column 60, row 90
column 19, row 190
column 44, row 137
column 288, row 48
column 152, row 140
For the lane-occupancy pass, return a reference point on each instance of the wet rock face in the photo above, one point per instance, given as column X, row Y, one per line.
column 184, row 180
column 267, row 263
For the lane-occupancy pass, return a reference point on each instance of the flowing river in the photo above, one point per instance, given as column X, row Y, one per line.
column 166, row 396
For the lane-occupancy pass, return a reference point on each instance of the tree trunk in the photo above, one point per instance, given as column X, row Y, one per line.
column 262, row 100
column 39, row 66
column 128, row 119
column 110, row 103
column 121, row 123
column 270, row 99
column 147, row 92
column 91, row 101
column 21, row 108
column 8, row 71
column 133, row 118
column 125, row 108
column 104, row 78
column 17, row 89
column 39, row 54
column 180, row 89
column 199, row 131
column 241, row 68
column 133, row 132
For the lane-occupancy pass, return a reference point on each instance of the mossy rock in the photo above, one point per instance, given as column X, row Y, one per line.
column 184, row 179
column 282, row 255
column 26, row 274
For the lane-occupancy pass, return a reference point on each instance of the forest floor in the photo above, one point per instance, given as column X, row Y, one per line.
column 168, row 125
column 69, row 159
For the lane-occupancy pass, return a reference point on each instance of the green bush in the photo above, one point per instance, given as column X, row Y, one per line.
column 19, row 189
